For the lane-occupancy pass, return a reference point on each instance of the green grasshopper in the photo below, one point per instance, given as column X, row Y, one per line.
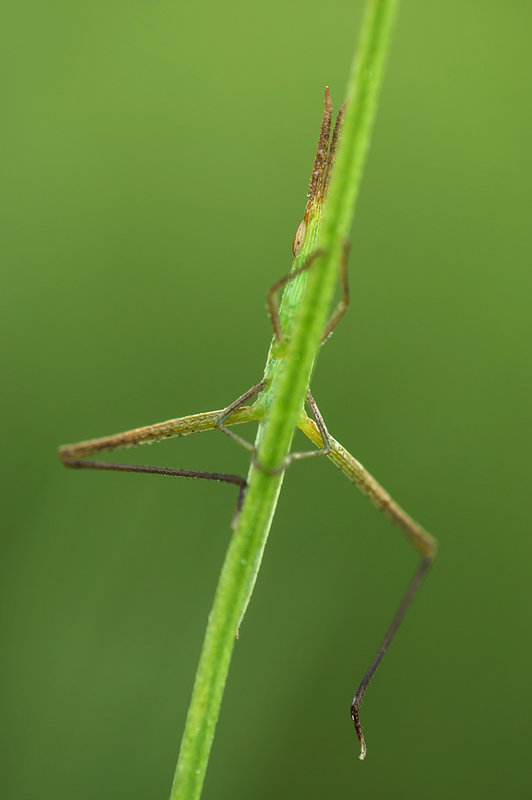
column 283, row 318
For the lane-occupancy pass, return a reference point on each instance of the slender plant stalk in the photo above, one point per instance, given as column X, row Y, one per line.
column 281, row 404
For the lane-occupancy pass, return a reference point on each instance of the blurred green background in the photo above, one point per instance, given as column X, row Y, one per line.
column 156, row 158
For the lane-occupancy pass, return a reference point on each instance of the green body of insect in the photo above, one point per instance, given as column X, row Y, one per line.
column 306, row 255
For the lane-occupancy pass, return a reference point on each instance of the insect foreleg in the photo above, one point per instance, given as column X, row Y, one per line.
column 339, row 311
column 273, row 305
column 343, row 305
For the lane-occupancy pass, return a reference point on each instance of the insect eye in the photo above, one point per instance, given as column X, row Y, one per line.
column 299, row 238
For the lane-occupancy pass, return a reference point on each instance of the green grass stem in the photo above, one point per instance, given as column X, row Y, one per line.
column 281, row 403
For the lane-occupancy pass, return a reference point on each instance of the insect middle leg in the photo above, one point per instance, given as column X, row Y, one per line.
column 298, row 455
column 225, row 417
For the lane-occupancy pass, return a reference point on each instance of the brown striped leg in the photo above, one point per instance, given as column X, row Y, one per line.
column 423, row 542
